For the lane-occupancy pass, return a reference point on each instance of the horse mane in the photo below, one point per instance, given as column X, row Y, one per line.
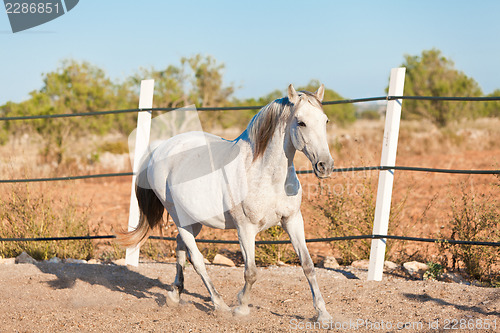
column 263, row 125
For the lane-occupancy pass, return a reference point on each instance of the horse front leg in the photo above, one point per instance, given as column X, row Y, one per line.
column 247, row 244
column 294, row 226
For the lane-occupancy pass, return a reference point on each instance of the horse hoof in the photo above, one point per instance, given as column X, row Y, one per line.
column 324, row 317
column 222, row 307
column 173, row 298
column 242, row 311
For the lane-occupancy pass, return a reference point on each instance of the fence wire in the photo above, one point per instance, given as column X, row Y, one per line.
column 239, row 108
column 262, row 242
column 299, row 172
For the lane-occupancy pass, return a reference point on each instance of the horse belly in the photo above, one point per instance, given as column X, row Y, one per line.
column 209, row 198
column 202, row 199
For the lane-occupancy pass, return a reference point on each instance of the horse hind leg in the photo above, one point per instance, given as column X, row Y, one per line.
column 188, row 237
column 181, row 258
column 178, row 286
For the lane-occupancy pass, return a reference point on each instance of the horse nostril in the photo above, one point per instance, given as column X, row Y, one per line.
column 320, row 166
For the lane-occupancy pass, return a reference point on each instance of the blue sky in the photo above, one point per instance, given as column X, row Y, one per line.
column 349, row 45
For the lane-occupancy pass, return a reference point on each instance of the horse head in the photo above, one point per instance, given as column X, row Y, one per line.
column 307, row 126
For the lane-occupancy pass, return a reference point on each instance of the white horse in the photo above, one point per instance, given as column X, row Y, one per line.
column 248, row 184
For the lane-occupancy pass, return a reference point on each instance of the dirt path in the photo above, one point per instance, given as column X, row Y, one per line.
column 107, row 298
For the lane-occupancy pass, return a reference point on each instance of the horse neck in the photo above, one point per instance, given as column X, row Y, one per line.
column 279, row 153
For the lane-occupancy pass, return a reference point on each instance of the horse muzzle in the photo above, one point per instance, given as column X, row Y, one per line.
column 323, row 169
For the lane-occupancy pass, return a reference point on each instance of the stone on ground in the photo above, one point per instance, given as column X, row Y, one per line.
column 389, row 265
column 74, row 261
column 219, row 259
column 361, row 264
column 54, row 260
column 330, row 262
column 25, row 258
column 416, row 269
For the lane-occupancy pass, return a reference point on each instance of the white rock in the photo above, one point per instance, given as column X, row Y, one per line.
column 330, row 262
column 120, row 262
column 361, row 264
column 25, row 258
column 92, row 262
column 415, row 268
column 74, row 261
column 389, row 265
column 54, row 260
column 221, row 260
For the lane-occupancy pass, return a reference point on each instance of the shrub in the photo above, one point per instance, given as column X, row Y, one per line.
column 112, row 252
column 115, row 147
column 434, row 272
column 475, row 218
column 432, row 74
column 28, row 214
column 271, row 254
column 349, row 218
column 352, row 214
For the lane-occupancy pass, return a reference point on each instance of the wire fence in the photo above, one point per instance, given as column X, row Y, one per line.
column 239, row 108
column 260, row 242
column 299, row 172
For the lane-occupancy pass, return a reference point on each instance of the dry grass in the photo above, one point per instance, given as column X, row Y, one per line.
column 475, row 217
column 273, row 254
column 28, row 214
column 347, row 209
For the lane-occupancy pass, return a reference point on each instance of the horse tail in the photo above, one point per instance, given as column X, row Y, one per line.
column 151, row 214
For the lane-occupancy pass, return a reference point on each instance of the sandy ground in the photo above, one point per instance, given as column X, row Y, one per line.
column 108, row 298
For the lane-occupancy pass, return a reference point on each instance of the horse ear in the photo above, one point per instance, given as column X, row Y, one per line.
column 320, row 93
column 293, row 97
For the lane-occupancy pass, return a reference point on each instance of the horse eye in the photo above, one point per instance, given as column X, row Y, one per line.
column 327, row 121
column 301, row 123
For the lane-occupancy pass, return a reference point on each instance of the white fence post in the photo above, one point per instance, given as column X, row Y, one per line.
column 386, row 177
column 141, row 146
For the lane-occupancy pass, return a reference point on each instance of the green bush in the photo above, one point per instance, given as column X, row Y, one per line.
column 434, row 272
column 432, row 74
